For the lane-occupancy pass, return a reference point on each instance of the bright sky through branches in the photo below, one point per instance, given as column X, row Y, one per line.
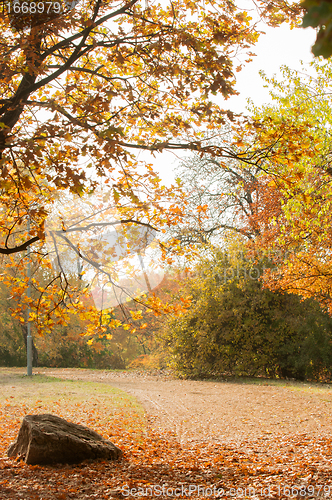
column 279, row 46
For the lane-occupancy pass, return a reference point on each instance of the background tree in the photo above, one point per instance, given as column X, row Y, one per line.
column 286, row 222
column 222, row 196
column 314, row 13
column 298, row 167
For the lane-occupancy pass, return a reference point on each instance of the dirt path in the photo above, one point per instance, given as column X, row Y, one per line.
column 223, row 412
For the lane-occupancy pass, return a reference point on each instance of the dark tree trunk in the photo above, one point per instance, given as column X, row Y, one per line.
column 34, row 348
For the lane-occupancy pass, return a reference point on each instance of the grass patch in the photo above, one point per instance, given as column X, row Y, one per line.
column 107, row 410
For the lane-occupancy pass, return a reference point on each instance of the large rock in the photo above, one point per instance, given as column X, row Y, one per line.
column 47, row 439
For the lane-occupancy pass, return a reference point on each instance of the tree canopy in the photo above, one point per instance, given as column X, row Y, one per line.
column 296, row 132
column 82, row 92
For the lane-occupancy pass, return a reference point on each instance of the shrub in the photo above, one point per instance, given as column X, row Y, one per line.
column 236, row 327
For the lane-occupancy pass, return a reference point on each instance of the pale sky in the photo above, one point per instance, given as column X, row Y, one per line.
column 279, row 46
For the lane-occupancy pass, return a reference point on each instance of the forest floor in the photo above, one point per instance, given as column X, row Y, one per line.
column 248, row 438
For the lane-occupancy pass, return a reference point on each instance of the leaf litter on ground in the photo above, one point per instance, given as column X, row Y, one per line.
column 154, row 464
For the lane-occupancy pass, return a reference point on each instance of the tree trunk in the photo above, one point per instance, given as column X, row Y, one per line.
column 34, row 348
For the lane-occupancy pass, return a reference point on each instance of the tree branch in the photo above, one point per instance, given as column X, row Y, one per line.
column 19, row 248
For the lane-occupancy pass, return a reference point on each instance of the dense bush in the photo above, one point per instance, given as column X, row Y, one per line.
column 236, row 327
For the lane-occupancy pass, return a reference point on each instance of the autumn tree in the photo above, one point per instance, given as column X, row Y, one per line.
column 63, row 345
column 222, row 196
column 285, row 232
column 296, row 133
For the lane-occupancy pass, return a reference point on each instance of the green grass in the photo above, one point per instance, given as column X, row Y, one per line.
column 96, row 404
